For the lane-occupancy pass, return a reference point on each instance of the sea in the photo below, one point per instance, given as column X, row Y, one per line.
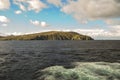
column 64, row 45
column 19, row 60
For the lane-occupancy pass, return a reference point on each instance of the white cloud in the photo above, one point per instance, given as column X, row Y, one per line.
column 35, row 22
column 115, row 30
column 92, row 9
column 94, row 32
column 43, row 24
column 4, row 4
column 38, row 23
column 18, row 12
column 22, row 7
column 111, row 33
column 36, row 5
column 112, row 21
column 14, row 33
column 21, row 4
column 55, row 2
column 4, row 19
column 4, row 25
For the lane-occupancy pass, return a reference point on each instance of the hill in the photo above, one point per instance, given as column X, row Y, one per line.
column 1, row 36
column 51, row 35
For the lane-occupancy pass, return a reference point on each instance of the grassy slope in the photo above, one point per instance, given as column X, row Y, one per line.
column 52, row 35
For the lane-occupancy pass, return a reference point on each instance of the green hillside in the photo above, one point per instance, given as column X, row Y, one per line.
column 51, row 35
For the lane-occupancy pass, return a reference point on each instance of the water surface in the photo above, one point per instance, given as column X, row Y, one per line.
column 20, row 60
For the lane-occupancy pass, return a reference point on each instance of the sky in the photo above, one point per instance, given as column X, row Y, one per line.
column 99, row 19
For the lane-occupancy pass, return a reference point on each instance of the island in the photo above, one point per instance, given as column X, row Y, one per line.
column 50, row 35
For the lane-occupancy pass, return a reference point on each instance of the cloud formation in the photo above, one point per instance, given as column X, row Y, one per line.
column 95, row 32
column 38, row 23
column 55, row 2
column 21, row 4
column 92, row 9
column 18, row 12
column 36, row 5
column 4, row 19
column 4, row 4
column 111, row 33
column 14, row 33
column 22, row 7
column 4, row 25
column 112, row 21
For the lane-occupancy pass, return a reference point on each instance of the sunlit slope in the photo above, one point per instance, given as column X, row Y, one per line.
column 52, row 35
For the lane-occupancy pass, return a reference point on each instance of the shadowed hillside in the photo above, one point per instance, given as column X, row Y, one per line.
column 1, row 37
column 52, row 35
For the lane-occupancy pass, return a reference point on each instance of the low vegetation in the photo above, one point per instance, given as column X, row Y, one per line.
column 52, row 35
